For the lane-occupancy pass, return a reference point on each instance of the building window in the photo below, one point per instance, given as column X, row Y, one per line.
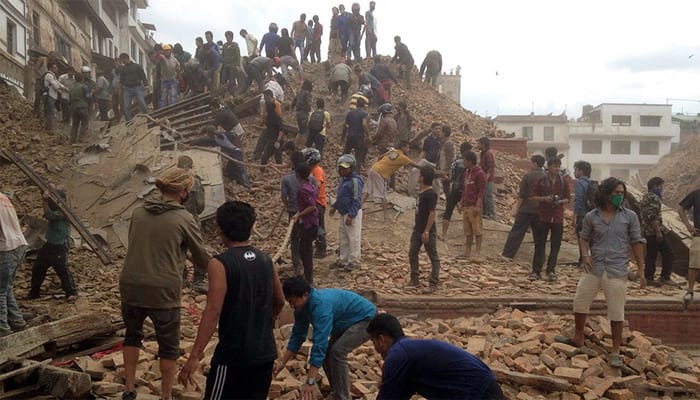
column 548, row 133
column 133, row 50
column 11, row 37
column 650, row 148
column 527, row 132
column 620, row 173
column 36, row 29
column 592, row 147
column 650, row 120
column 620, row 147
column 622, row 120
column 62, row 47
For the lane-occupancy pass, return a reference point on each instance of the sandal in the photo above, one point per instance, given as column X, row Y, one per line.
column 566, row 340
column 616, row 361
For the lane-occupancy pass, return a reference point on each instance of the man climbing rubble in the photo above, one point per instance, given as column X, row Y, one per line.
column 431, row 66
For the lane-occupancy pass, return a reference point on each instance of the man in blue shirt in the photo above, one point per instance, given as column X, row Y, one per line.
column 348, row 202
column 431, row 368
column 356, row 132
column 340, row 314
column 608, row 232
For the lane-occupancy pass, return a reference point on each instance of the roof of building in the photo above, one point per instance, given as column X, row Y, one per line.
column 532, row 118
column 631, row 104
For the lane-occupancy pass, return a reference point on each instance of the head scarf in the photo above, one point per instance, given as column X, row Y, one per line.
column 175, row 180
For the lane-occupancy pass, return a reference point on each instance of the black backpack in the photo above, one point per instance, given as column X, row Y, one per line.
column 590, row 194
column 316, row 121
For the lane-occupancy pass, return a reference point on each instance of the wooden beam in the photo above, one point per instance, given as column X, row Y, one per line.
column 546, row 383
column 62, row 333
column 62, row 205
column 64, row 383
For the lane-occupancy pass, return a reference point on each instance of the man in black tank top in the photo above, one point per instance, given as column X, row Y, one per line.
column 245, row 296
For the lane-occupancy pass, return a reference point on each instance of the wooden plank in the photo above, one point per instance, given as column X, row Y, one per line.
column 62, row 205
column 182, row 104
column 32, row 365
column 546, row 383
column 13, row 394
column 64, row 383
column 64, row 332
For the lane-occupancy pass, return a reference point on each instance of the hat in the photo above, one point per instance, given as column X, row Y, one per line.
column 345, row 164
column 167, row 47
column 85, row 68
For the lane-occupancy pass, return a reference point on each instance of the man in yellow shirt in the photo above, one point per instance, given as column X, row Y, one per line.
column 381, row 171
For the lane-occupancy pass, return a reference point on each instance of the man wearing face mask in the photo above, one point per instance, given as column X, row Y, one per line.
column 161, row 232
column 608, row 230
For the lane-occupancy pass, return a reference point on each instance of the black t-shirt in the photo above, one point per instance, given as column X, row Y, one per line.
column 226, row 119
column 246, row 324
column 284, row 47
column 427, row 201
column 692, row 200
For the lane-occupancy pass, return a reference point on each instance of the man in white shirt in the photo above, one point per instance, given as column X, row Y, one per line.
column 53, row 86
column 67, row 80
column 13, row 246
column 251, row 43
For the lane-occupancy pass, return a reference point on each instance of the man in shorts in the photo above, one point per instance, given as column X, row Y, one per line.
column 692, row 200
column 382, row 170
column 472, row 202
column 604, row 262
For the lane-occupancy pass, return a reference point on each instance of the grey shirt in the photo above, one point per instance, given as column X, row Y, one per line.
column 609, row 242
column 289, row 186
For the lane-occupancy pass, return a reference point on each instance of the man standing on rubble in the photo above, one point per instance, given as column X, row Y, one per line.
column 692, row 200
column 356, row 133
column 51, row 89
column 472, row 203
column 525, row 211
column 431, row 66
column 608, row 232
column 169, row 75
column 383, row 169
column 339, row 319
column 245, row 297
column 424, row 231
column 456, row 187
column 403, row 57
column 230, row 63
column 195, row 204
column 13, row 247
column 348, row 202
column 161, row 232
column 487, row 160
column 132, row 78
column 654, row 233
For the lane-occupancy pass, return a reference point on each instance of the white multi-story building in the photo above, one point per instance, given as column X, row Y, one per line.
column 13, row 42
column 540, row 131
column 620, row 140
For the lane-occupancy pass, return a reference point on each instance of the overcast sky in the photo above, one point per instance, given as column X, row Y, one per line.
column 516, row 56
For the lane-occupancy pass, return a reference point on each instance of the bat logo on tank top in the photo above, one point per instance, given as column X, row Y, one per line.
column 249, row 256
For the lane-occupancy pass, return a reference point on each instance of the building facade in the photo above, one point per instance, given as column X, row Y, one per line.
column 451, row 85
column 621, row 140
column 13, row 42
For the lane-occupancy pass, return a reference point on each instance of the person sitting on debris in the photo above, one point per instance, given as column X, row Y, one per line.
column 382, row 170
column 431, row 66
column 608, row 232
column 306, row 217
column 348, row 202
column 195, row 205
column 235, row 169
column 526, row 210
column 228, row 121
column 13, row 247
column 161, row 232
column 339, row 319
column 245, row 297
column 431, row 368
column 552, row 193
column 54, row 253
column 80, row 96
column 654, row 232
column 456, row 186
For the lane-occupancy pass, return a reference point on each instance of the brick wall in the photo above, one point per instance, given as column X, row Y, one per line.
column 673, row 327
column 513, row 146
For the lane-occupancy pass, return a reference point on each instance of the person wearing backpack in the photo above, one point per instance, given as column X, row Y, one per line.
column 582, row 173
column 319, row 123
column 302, row 105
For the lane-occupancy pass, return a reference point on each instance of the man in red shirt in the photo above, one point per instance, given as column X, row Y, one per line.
column 552, row 193
column 472, row 202
column 487, row 161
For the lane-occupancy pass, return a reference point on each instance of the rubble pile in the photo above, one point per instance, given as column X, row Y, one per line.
column 16, row 114
column 679, row 171
column 518, row 346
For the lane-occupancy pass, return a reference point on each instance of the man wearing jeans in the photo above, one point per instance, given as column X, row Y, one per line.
column 13, row 246
column 132, row 77
column 551, row 192
column 340, row 314
column 169, row 74
column 487, row 161
column 424, row 231
column 348, row 202
column 608, row 232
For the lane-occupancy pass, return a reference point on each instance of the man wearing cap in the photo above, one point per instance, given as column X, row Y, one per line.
column 161, row 232
column 348, row 203
column 169, row 73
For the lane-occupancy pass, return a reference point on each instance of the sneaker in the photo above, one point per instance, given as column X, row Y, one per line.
column 71, row 298
column 688, row 298
column 550, row 277
column 430, row 290
column 412, row 285
column 129, row 395
column 534, row 276
column 17, row 326
column 668, row 281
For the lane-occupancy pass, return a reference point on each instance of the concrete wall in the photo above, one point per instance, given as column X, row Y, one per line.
column 538, row 142
column 12, row 63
